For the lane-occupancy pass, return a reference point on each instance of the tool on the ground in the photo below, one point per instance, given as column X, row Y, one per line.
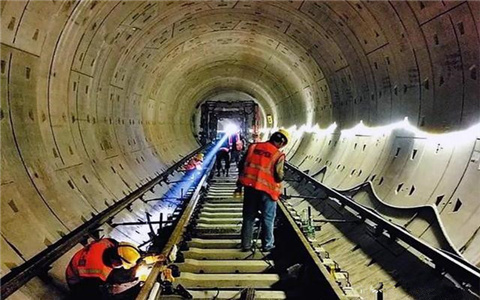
column 308, row 227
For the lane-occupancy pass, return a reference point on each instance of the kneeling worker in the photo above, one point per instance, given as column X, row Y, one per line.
column 105, row 269
column 261, row 171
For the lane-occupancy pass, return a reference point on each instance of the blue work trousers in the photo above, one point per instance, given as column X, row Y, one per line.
column 253, row 202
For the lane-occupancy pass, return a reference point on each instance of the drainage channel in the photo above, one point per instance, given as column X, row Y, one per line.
column 213, row 266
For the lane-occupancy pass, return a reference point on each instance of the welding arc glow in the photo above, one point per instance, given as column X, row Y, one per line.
column 142, row 272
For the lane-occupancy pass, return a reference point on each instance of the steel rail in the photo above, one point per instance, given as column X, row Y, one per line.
column 460, row 270
column 331, row 289
column 38, row 264
column 175, row 237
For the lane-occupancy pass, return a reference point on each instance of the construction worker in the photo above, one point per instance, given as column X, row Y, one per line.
column 105, row 269
column 256, row 138
column 236, row 145
column 223, row 154
column 195, row 163
column 260, row 172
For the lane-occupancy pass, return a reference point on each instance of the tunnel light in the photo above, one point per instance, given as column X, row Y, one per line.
column 304, row 128
column 293, row 130
column 361, row 129
column 457, row 137
column 298, row 131
column 329, row 130
column 403, row 126
column 231, row 129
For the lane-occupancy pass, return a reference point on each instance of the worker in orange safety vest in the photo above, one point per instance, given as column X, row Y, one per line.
column 195, row 163
column 261, row 173
column 105, row 269
column 236, row 144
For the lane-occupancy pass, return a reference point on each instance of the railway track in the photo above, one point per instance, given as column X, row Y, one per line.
column 343, row 258
column 346, row 253
column 213, row 266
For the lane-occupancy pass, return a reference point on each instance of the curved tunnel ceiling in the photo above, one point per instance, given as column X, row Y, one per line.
column 98, row 96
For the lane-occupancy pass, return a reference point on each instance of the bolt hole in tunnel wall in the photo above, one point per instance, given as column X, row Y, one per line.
column 97, row 97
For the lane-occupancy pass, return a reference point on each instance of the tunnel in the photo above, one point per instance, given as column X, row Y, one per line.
column 100, row 97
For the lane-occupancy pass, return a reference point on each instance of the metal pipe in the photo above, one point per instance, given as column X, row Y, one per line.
column 149, row 222
column 160, row 222
column 140, row 223
column 163, row 199
column 335, row 221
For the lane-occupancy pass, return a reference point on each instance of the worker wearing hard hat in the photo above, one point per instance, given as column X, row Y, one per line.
column 261, row 173
column 106, row 269
column 195, row 163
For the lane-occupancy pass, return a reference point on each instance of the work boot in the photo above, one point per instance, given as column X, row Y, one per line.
column 270, row 249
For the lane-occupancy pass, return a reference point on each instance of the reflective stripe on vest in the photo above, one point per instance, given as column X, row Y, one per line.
column 259, row 169
column 88, row 263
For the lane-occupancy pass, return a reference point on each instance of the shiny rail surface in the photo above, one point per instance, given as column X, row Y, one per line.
column 40, row 262
column 214, row 267
column 462, row 273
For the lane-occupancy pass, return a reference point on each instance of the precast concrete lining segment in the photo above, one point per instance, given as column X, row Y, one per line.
column 222, row 66
column 17, row 277
column 235, row 38
column 459, row 268
column 222, row 76
column 397, row 163
column 243, row 54
column 366, row 259
column 239, row 84
column 217, row 15
column 81, row 117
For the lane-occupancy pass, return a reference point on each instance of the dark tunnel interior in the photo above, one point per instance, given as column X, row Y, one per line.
column 98, row 97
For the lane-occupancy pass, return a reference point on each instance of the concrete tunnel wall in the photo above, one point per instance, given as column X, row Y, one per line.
column 97, row 97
